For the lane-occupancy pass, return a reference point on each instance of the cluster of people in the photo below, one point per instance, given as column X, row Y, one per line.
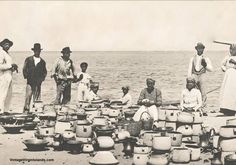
column 63, row 72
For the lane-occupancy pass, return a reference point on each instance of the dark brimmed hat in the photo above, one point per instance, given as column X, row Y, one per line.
column 66, row 50
column 199, row 46
column 6, row 41
column 37, row 46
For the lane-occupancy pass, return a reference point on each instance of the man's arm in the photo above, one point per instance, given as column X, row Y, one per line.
column 209, row 66
column 141, row 97
column 25, row 69
column 190, row 67
column 199, row 101
column 158, row 99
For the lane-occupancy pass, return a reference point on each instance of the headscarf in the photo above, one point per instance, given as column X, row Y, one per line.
column 150, row 80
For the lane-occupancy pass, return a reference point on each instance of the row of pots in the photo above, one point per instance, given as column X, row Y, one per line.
column 179, row 116
column 177, row 155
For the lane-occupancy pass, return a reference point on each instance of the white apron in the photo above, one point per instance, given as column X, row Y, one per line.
column 228, row 90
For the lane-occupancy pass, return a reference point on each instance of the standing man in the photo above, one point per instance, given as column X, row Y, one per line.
column 63, row 74
column 34, row 71
column 6, row 69
column 198, row 66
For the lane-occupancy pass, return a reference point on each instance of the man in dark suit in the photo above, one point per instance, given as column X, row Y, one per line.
column 34, row 72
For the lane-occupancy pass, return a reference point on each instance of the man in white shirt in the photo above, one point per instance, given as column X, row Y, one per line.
column 126, row 98
column 191, row 98
column 198, row 66
column 84, row 80
column 6, row 69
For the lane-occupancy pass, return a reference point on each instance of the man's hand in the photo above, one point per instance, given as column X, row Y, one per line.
column 14, row 67
column 203, row 63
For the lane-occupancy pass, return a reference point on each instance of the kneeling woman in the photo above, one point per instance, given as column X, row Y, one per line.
column 150, row 98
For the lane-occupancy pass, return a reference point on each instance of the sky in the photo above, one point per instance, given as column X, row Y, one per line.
column 118, row 25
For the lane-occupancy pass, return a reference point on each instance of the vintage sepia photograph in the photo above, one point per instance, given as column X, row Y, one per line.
column 118, row 82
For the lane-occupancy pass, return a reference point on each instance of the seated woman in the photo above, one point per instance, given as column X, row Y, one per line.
column 92, row 94
column 191, row 98
column 126, row 98
column 150, row 98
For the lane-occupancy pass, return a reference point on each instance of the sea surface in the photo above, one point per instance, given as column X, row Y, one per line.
column 115, row 69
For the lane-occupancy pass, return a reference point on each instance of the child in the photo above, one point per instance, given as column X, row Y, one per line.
column 84, row 80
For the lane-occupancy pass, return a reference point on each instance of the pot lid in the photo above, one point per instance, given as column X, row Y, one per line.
column 103, row 158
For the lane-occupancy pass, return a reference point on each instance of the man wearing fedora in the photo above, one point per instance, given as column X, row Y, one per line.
column 63, row 74
column 198, row 66
column 6, row 69
column 34, row 71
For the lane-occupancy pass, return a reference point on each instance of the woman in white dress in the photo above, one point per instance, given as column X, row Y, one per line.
column 228, row 88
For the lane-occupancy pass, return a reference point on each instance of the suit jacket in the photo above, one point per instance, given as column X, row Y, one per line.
column 34, row 74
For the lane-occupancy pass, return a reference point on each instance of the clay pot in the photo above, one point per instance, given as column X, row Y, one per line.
column 176, row 138
column 161, row 143
column 197, row 117
column 46, row 131
column 195, row 152
column 230, row 159
column 228, row 131
column 172, row 115
column 142, row 149
column 105, row 142
column 140, row 159
column 162, row 159
column 88, row 148
column 162, row 114
column 181, row 155
column 227, row 145
column 68, row 134
column 185, row 117
column 197, row 129
column 231, row 122
column 84, row 130
column 114, row 112
column 100, row 120
column 186, row 130
column 148, row 137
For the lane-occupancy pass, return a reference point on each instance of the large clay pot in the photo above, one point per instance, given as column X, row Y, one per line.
column 62, row 125
column 228, row 131
column 195, row 152
column 142, row 149
column 185, row 117
column 148, row 137
column 172, row 115
column 176, row 138
column 105, row 142
column 186, row 130
column 162, row 159
column 228, row 145
column 46, row 131
column 181, row 155
column 140, row 159
column 84, row 130
column 161, row 143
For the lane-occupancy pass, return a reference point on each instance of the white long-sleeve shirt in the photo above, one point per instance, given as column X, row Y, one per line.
column 197, row 61
column 191, row 99
column 5, row 63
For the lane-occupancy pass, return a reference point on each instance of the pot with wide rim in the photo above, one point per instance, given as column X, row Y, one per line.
column 84, row 130
column 100, row 120
column 88, row 148
column 104, row 158
column 62, row 125
column 159, row 159
column 197, row 117
column 148, row 136
column 197, row 129
column 228, row 144
column 162, row 114
column 228, row 131
column 185, row 117
column 186, row 130
column 129, row 114
column 46, row 130
column 176, row 138
column 171, row 115
column 140, row 159
column 231, row 122
column 161, row 143
column 114, row 112
column 181, row 155
column 230, row 159
column 106, row 130
column 105, row 142
column 7, row 119
column 142, row 149
column 105, row 111
column 195, row 152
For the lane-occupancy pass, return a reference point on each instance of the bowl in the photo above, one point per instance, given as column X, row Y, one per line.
column 129, row 114
column 30, row 125
column 104, row 130
column 13, row 129
column 7, row 119
column 35, row 144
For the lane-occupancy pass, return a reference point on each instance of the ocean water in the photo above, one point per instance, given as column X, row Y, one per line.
column 115, row 69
